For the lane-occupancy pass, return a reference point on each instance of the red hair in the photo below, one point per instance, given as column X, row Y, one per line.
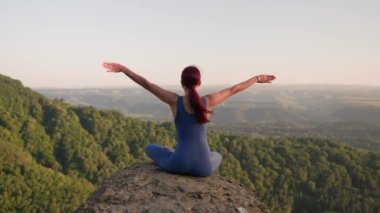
column 190, row 78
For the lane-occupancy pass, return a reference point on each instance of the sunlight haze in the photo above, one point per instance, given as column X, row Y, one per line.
column 63, row 43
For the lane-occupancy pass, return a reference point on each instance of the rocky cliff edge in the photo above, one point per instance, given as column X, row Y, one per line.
column 144, row 187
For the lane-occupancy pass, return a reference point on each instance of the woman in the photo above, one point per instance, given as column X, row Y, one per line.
column 192, row 155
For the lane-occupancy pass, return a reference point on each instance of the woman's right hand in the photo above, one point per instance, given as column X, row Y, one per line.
column 114, row 67
column 265, row 78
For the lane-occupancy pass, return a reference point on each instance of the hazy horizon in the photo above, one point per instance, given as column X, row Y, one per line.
column 131, row 84
column 62, row 44
column 210, row 85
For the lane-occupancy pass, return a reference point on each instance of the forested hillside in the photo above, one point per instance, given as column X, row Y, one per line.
column 290, row 104
column 349, row 115
column 53, row 155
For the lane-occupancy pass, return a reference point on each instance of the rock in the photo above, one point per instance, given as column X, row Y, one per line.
column 145, row 188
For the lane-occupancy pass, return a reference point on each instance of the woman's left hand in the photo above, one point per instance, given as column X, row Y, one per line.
column 265, row 78
column 114, row 67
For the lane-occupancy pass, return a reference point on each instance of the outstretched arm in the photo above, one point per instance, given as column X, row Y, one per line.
column 218, row 97
column 164, row 95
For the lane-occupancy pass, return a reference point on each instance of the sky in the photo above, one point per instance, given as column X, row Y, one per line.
column 62, row 44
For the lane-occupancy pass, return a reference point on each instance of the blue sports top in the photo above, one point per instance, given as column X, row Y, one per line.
column 192, row 154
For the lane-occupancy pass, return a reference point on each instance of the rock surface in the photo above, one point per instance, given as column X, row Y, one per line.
column 145, row 188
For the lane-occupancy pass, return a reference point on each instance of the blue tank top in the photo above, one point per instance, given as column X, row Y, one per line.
column 192, row 154
column 187, row 127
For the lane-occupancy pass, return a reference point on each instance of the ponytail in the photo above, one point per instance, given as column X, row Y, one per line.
column 199, row 110
column 191, row 78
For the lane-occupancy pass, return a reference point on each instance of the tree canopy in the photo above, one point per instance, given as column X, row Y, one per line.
column 53, row 155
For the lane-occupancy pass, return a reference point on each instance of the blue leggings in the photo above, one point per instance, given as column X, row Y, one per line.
column 195, row 164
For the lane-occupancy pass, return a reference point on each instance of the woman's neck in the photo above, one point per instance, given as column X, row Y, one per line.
column 187, row 90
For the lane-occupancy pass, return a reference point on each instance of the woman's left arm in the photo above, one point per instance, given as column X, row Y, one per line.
column 164, row 95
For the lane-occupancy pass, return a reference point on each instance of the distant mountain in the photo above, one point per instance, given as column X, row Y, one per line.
column 331, row 112
column 53, row 155
column 259, row 104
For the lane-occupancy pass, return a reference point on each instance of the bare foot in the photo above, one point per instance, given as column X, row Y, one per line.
column 171, row 149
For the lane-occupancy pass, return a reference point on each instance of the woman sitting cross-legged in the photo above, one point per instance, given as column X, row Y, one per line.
column 192, row 155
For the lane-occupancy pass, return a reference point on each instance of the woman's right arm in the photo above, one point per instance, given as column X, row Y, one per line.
column 217, row 98
column 164, row 95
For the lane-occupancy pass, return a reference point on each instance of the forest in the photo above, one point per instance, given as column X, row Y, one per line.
column 349, row 115
column 53, row 155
